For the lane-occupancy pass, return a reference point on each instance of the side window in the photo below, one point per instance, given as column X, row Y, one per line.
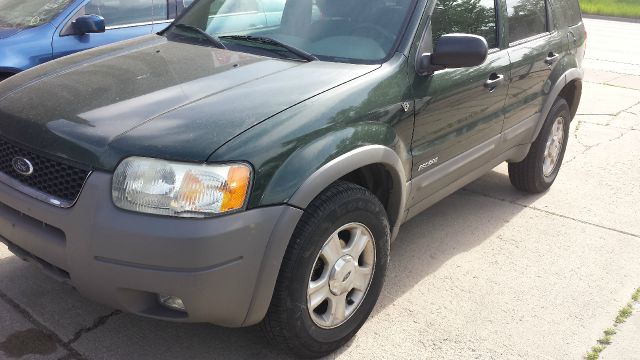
column 274, row 5
column 527, row 18
column 222, row 7
column 476, row 17
column 187, row 3
column 127, row 12
column 160, row 10
column 568, row 12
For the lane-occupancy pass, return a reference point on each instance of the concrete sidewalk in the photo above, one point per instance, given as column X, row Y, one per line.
column 488, row 273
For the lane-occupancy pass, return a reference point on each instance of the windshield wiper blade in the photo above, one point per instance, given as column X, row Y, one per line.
column 212, row 39
column 269, row 41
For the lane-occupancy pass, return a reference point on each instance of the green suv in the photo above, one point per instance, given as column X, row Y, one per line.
column 259, row 175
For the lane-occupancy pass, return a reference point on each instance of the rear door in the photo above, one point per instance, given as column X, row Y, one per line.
column 535, row 49
column 458, row 110
column 124, row 19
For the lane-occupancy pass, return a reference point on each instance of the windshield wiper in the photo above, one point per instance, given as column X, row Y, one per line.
column 212, row 39
column 269, row 41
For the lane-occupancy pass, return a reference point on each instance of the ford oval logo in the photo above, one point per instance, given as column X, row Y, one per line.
column 22, row 166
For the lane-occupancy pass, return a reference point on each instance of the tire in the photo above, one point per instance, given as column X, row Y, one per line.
column 537, row 172
column 314, row 333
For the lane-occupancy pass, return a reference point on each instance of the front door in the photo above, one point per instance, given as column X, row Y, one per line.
column 458, row 110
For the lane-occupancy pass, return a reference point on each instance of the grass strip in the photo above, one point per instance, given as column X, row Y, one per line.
column 621, row 8
column 607, row 337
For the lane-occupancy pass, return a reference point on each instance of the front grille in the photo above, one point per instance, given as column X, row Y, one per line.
column 50, row 177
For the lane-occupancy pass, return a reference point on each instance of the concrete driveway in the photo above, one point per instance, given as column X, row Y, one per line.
column 487, row 273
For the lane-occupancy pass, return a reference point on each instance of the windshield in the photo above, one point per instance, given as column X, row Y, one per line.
column 305, row 30
column 29, row 13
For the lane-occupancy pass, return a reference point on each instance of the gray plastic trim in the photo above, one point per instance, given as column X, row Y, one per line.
column 567, row 77
column 460, row 182
column 223, row 268
column 353, row 160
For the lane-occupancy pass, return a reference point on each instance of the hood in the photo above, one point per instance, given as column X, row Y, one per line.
column 8, row 32
column 154, row 97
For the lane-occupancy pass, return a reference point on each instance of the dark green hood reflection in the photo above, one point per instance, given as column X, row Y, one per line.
column 152, row 97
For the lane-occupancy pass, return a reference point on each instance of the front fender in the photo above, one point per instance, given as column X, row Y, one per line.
column 292, row 146
column 337, row 161
column 26, row 49
column 353, row 160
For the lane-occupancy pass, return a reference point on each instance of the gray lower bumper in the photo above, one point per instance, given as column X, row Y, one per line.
column 224, row 269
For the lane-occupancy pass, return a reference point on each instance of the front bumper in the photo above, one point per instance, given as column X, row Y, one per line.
column 224, row 269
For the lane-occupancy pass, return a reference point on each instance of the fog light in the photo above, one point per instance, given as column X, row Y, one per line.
column 172, row 302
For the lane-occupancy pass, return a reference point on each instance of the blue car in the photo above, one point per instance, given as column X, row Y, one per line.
column 36, row 31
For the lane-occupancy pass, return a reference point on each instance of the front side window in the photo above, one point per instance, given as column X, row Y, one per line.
column 477, row 17
column 527, row 18
column 331, row 30
column 127, row 12
column 29, row 13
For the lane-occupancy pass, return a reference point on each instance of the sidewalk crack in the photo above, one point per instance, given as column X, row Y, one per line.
column 71, row 352
column 513, row 202
column 98, row 322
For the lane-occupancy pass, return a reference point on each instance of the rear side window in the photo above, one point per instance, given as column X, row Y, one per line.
column 477, row 17
column 568, row 12
column 527, row 18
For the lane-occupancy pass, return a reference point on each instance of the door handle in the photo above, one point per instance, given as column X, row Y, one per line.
column 551, row 58
column 494, row 81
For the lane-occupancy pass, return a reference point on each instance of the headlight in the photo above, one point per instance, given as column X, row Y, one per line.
column 180, row 189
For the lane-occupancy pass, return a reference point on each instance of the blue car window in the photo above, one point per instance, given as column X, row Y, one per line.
column 160, row 10
column 127, row 12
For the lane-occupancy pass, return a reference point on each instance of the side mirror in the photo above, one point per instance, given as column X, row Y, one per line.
column 454, row 51
column 89, row 24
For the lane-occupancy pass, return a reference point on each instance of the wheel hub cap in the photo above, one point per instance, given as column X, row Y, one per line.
column 341, row 275
column 553, row 148
column 340, row 280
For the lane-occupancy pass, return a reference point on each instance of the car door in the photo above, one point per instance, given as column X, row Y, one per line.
column 535, row 49
column 458, row 112
column 124, row 19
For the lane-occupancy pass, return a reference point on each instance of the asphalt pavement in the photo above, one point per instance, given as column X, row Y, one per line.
column 487, row 273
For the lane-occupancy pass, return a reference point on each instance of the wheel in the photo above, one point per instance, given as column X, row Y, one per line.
column 539, row 169
column 331, row 274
